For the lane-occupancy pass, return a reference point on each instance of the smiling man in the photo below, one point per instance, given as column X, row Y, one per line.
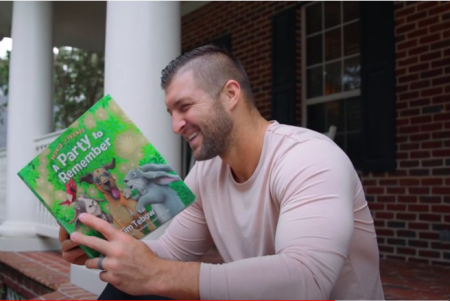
column 282, row 204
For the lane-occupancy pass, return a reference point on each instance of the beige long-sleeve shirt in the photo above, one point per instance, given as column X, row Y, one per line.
column 299, row 228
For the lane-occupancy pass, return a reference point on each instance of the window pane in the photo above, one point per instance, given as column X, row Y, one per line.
column 314, row 50
column 314, row 18
column 353, row 114
column 333, row 78
column 333, row 44
column 315, row 82
column 351, row 79
column 321, row 116
column 351, row 38
column 351, row 10
column 332, row 13
column 317, row 118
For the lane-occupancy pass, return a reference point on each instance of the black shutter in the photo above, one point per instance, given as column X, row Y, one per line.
column 378, row 86
column 283, row 67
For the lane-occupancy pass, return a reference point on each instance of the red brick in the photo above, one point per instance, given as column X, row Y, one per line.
column 407, row 199
column 375, row 190
column 419, row 102
column 405, row 28
column 418, row 208
column 419, row 84
column 441, row 208
column 431, row 92
column 408, row 251
column 425, row 5
column 423, row 48
column 396, row 207
column 408, row 95
column 406, row 45
column 386, row 198
column 376, row 206
column 384, row 215
column 430, row 38
column 441, row 190
column 419, row 226
column 431, row 56
column 430, row 217
column 428, row 21
column 432, row 254
column 431, row 144
column 395, row 190
column 431, row 127
column 441, row 116
column 385, row 232
column 417, row 16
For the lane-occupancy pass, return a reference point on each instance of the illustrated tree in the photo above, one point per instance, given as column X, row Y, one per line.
column 78, row 78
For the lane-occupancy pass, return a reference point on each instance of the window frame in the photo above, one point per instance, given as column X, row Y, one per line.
column 325, row 98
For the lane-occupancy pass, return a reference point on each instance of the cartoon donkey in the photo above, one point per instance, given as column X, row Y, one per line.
column 152, row 184
column 122, row 208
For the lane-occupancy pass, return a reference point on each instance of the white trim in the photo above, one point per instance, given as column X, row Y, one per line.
column 332, row 97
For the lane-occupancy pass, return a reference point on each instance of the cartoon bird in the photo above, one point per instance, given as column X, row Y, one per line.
column 71, row 193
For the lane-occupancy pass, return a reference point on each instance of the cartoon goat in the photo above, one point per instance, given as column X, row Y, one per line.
column 152, row 184
column 122, row 208
column 85, row 204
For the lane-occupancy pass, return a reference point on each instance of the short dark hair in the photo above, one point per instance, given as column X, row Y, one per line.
column 213, row 66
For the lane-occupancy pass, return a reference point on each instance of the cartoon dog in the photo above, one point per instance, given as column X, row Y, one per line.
column 122, row 209
column 152, row 184
column 85, row 204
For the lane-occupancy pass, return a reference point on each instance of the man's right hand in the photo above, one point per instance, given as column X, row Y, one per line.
column 71, row 251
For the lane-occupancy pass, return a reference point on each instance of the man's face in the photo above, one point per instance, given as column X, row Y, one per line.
column 200, row 119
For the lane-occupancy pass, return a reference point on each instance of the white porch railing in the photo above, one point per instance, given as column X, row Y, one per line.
column 2, row 184
column 45, row 223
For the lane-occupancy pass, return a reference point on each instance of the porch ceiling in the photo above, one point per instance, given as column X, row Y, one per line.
column 79, row 23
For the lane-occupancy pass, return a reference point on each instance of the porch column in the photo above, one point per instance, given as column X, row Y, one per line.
column 141, row 39
column 29, row 116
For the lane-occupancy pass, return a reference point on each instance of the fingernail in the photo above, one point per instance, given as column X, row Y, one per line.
column 82, row 217
column 74, row 236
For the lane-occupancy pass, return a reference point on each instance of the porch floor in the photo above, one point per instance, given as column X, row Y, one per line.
column 401, row 280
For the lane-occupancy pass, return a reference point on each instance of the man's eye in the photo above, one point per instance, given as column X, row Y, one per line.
column 184, row 107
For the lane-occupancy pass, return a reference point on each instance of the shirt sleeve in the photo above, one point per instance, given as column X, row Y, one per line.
column 187, row 238
column 313, row 233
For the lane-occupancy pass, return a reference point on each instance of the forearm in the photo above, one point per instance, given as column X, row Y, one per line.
column 179, row 280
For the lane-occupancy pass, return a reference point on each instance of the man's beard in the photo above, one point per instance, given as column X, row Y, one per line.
column 216, row 133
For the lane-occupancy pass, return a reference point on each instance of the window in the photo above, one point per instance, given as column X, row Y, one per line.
column 331, row 72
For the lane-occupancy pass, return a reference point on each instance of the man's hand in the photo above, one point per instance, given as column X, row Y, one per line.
column 132, row 267
column 71, row 251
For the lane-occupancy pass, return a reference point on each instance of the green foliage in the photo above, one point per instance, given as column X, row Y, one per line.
column 78, row 83
column 4, row 79
column 78, row 76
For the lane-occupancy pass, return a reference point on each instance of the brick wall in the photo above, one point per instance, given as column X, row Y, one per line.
column 411, row 207
column 250, row 24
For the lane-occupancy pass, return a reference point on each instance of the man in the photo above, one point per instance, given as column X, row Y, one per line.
column 282, row 204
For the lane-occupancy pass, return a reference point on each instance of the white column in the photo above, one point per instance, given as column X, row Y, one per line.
column 141, row 39
column 29, row 116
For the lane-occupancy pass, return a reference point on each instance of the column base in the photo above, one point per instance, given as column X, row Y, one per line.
column 17, row 229
column 29, row 244
column 86, row 279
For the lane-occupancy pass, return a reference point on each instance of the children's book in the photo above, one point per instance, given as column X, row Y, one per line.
column 102, row 164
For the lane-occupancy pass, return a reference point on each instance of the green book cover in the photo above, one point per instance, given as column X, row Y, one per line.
column 103, row 164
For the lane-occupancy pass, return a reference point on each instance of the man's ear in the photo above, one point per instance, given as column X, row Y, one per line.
column 232, row 91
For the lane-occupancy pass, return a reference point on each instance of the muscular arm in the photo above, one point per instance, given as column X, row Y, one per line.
column 312, row 239
column 313, row 235
column 187, row 238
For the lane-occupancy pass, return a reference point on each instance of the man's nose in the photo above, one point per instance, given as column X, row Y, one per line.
column 178, row 123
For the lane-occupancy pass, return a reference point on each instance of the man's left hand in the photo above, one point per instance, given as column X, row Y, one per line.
column 129, row 264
